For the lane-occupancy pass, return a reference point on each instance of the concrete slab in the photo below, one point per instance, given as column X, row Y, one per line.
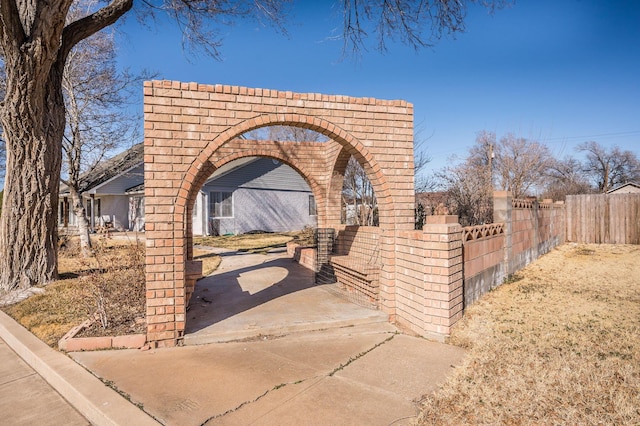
column 413, row 366
column 365, row 374
column 325, row 401
column 26, row 399
column 266, row 294
column 191, row 384
column 378, row 388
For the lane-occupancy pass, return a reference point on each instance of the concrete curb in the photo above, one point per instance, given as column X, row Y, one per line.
column 98, row 403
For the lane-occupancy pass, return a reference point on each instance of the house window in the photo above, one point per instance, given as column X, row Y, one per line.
column 220, row 204
column 312, row 206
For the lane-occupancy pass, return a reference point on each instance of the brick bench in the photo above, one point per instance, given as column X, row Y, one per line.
column 356, row 263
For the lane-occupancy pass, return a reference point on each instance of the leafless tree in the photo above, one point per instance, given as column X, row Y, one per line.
column 418, row 24
column 296, row 134
column 608, row 168
column 358, row 196
column 512, row 163
column 285, row 134
column 423, row 181
column 565, row 177
column 466, row 187
column 95, row 94
column 3, row 159
column 520, row 164
column 3, row 147
column 36, row 40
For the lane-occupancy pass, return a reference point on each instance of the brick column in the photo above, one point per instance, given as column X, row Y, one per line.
column 443, row 274
column 502, row 209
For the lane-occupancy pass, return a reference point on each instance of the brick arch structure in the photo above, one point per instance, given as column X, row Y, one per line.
column 202, row 167
column 192, row 129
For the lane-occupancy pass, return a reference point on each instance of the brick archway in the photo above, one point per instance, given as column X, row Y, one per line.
column 192, row 129
column 238, row 149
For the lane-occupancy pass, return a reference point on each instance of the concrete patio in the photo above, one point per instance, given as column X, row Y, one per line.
column 252, row 295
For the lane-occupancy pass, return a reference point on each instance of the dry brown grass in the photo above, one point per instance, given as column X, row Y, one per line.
column 255, row 242
column 210, row 261
column 51, row 314
column 111, row 282
column 559, row 346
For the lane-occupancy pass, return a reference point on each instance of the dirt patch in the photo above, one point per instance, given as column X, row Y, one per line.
column 559, row 346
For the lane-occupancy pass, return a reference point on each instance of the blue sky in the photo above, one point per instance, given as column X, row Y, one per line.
column 561, row 72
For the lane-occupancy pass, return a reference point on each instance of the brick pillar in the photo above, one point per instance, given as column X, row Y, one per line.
column 502, row 209
column 443, row 274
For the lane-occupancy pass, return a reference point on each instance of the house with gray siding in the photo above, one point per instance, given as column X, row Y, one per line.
column 254, row 194
column 249, row 194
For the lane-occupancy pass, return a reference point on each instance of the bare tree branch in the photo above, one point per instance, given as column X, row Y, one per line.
column 519, row 164
column 11, row 29
column 417, row 23
column 91, row 24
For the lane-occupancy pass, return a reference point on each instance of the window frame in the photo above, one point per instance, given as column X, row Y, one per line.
column 212, row 204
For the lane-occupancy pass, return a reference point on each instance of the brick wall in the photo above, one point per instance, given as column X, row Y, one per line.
column 445, row 267
column 526, row 230
column 483, row 254
column 192, row 129
column 429, row 277
column 534, row 228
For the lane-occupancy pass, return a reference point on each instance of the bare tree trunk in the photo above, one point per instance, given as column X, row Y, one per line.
column 33, row 122
column 82, row 221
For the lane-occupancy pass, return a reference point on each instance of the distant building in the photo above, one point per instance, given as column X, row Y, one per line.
column 250, row 194
column 627, row 188
column 104, row 191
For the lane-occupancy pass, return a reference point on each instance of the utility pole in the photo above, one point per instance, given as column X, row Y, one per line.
column 491, row 155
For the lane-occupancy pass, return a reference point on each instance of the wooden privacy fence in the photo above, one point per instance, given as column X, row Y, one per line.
column 603, row 218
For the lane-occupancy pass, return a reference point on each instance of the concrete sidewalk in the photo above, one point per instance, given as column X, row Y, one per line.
column 362, row 375
column 26, row 399
column 21, row 390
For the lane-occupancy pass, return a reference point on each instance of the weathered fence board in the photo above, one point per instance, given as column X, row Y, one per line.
column 603, row 218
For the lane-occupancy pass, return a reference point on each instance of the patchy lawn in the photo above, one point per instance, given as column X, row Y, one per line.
column 559, row 346
column 256, row 242
column 109, row 284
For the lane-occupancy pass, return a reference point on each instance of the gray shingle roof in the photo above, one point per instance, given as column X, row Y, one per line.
column 110, row 168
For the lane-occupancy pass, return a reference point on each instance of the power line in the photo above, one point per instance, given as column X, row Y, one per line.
column 629, row 133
